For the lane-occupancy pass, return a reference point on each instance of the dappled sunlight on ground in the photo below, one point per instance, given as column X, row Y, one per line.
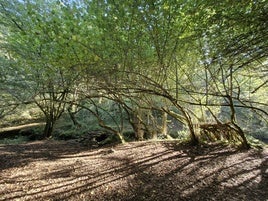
column 49, row 170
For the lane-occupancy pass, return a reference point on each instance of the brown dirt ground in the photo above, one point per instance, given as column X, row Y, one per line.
column 51, row 170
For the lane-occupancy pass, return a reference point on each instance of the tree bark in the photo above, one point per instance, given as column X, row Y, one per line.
column 122, row 140
column 138, row 128
column 240, row 132
column 72, row 116
column 193, row 138
column 137, row 124
column 244, row 141
column 164, row 124
column 48, row 128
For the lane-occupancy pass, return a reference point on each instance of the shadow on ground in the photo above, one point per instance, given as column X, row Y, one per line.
column 134, row 171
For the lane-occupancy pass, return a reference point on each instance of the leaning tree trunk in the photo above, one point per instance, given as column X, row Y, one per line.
column 244, row 141
column 121, row 138
column 72, row 116
column 193, row 138
column 103, row 125
column 240, row 132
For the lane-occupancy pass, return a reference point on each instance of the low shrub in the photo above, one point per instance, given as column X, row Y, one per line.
column 17, row 140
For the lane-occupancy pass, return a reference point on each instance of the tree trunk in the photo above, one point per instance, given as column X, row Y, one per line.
column 48, row 128
column 154, row 135
column 151, row 126
column 241, row 133
column 122, row 140
column 137, row 125
column 186, row 120
column 164, row 124
column 193, row 139
column 72, row 116
column 103, row 125
column 139, row 132
column 244, row 141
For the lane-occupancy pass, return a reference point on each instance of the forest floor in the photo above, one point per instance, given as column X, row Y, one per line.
column 57, row 170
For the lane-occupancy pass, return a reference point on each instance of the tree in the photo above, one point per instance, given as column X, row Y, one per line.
column 232, row 44
column 195, row 56
column 36, row 50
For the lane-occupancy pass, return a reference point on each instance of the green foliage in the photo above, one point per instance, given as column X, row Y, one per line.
column 32, row 134
column 65, row 129
column 260, row 134
column 200, row 57
column 21, row 114
column 129, row 136
column 180, row 135
column 256, row 143
column 17, row 140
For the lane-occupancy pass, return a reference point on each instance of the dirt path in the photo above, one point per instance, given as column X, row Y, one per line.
column 49, row 170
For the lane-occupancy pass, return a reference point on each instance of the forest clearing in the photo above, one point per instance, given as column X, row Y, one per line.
column 57, row 170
